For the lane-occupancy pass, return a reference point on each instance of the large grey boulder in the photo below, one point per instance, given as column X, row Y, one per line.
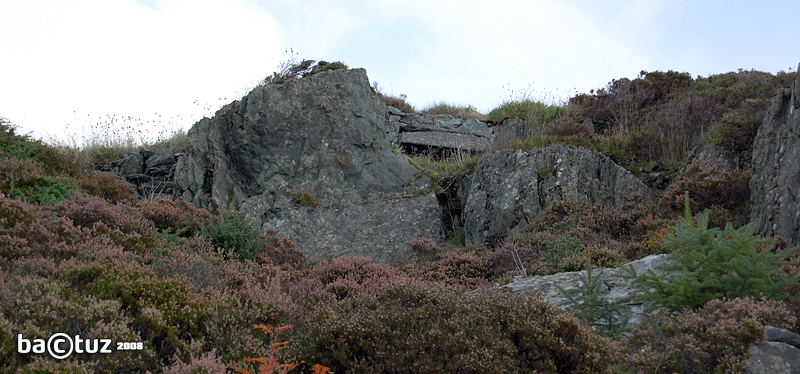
column 509, row 187
column 324, row 136
column 618, row 289
column 773, row 358
column 775, row 184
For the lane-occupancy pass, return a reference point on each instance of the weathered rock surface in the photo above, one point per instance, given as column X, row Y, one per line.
column 380, row 230
column 325, row 135
column 510, row 187
column 620, row 290
column 150, row 173
column 775, row 184
column 441, row 131
column 710, row 155
column 773, row 358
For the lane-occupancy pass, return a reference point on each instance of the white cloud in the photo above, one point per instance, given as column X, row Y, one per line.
column 99, row 57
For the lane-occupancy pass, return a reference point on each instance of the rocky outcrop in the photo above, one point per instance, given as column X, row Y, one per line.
column 441, row 132
column 150, row 173
column 619, row 289
column 775, row 184
column 710, row 155
column 510, row 187
column 323, row 138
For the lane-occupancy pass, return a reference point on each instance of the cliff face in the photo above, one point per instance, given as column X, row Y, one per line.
column 323, row 136
column 775, row 184
column 511, row 187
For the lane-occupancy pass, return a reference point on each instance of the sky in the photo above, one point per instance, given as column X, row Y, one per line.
column 73, row 69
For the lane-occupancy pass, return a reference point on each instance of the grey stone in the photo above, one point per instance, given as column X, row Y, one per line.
column 514, row 127
column 509, row 187
column 773, row 358
column 475, row 125
column 620, row 290
column 775, row 184
column 710, row 155
column 446, row 121
column 130, row 164
column 448, row 140
column 159, row 163
column 379, row 230
column 394, row 111
column 145, row 152
column 327, row 135
column 775, row 334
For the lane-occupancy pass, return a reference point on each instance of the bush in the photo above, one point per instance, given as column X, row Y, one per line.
column 462, row 112
column 107, row 186
column 714, row 264
column 427, row 328
column 305, row 198
column 234, row 235
column 713, row 339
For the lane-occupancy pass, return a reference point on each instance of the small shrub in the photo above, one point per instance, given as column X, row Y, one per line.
column 424, row 246
column 325, row 66
column 713, row 339
column 714, row 264
column 589, row 304
column 108, row 187
column 235, row 236
column 462, row 112
column 305, row 198
column 428, row 328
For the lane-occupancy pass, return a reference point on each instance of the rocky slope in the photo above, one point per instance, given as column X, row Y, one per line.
column 775, row 185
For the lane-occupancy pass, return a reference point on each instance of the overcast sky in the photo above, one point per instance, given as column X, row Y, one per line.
column 69, row 64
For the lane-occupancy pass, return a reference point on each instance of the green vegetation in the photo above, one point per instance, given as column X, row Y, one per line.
column 458, row 111
column 305, row 198
column 80, row 255
column 235, row 235
column 715, row 264
column 589, row 304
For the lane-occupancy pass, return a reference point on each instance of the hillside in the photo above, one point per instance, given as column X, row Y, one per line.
column 372, row 236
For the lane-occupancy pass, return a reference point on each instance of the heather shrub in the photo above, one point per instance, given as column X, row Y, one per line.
column 175, row 216
column 121, row 223
column 235, row 236
column 281, row 251
column 513, row 260
column 712, row 339
column 25, row 231
column 164, row 312
column 107, row 186
column 346, row 277
column 38, row 307
column 23, row 180
column 460, row 269
column 424, row 246
column 712, row 187
column 714, row 264
column 428, row 328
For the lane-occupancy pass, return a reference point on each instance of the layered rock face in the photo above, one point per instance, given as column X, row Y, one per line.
column 775, row 184
column 510, row 187
column 321, row 136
